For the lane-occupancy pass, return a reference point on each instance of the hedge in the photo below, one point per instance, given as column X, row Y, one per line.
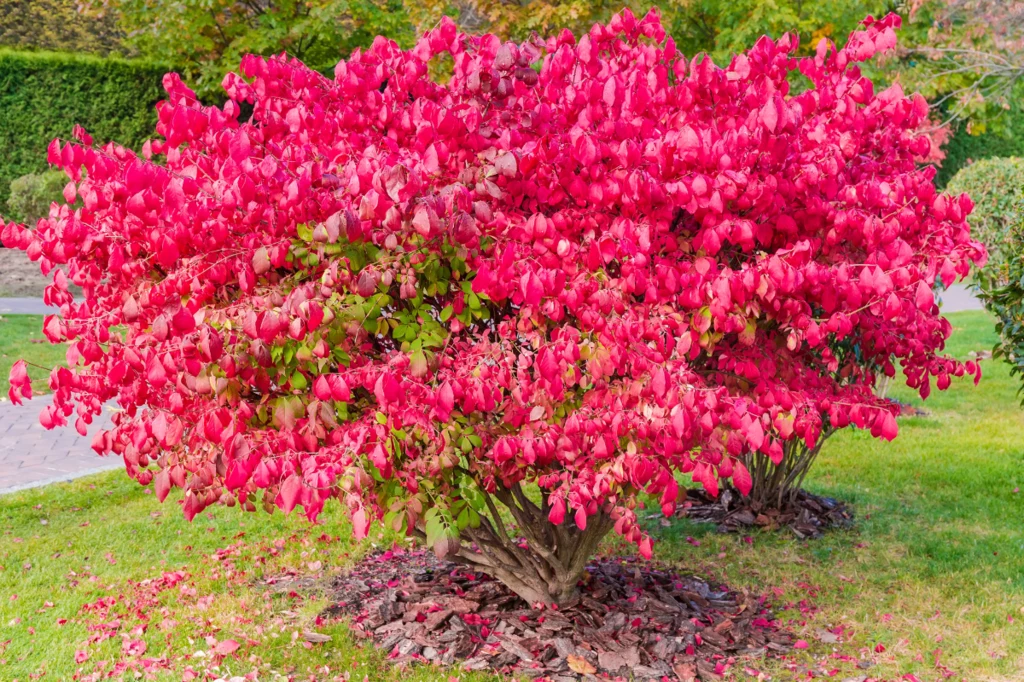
column 43, row 95
column 59, row 25
column 997, row 187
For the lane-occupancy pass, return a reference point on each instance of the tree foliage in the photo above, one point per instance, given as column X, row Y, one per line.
column 205, row 38
column 431, row 300
column 722, row 28
column 967, row 57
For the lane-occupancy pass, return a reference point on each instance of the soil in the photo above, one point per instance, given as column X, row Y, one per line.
column 20, row 277
column 632, row 619
column 809, row 516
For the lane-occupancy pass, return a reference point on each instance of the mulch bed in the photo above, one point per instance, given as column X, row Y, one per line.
column 808, row 517
column 632, row 620
column 908, row 410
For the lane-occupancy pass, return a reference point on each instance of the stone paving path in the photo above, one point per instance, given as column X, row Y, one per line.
column 31, row 456
column 958, row 298
column 25, row 306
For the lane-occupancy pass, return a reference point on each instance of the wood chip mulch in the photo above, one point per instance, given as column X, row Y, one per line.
column 908, row 410
column 632, row 620
column 809, row 517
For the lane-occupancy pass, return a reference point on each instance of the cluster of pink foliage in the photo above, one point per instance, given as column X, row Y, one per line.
column 938, row 135
column 683, row 264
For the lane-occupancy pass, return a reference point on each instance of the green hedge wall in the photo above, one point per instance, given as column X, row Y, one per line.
column 43, row 95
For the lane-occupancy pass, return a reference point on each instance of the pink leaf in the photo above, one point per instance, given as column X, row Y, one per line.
column 924, row 297
column 741, row 478
column 226, row 647
column 291, row 491
column 556, row 515
column 581, row 518
column 769, row 115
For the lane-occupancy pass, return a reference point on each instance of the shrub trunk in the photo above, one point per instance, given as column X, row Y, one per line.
column 775, row 486
column 545, row 564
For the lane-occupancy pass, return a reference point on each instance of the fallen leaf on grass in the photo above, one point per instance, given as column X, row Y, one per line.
column 227, row 647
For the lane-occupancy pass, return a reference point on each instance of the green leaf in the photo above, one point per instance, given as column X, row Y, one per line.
column 462, row 520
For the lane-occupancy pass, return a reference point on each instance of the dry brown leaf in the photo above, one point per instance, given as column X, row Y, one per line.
column 580, row 665
column 686, row 672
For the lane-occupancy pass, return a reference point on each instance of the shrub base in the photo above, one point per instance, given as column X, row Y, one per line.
column 630, row 618
column 808, row 515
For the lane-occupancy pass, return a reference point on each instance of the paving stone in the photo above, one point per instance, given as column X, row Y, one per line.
column 31, row 456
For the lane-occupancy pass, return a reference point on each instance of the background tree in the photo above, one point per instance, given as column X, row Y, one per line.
column 967, row 57
column 718, row 27
column 205, row 38
column 722, row 28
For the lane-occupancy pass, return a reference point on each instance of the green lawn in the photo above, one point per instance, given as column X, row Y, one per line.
column 931, row 578
column 21, row 337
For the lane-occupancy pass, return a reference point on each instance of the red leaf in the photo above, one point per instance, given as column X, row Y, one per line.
column 925, row 299
column 162, row 484
column 741, row 478
column 556, row 514
column 581, row 518
column 291, row 492
column 769, row 115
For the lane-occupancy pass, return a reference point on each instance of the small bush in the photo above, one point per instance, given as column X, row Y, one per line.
column 1004, row 298
column 32, row 194
column 549, row 291
column 997, row 188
